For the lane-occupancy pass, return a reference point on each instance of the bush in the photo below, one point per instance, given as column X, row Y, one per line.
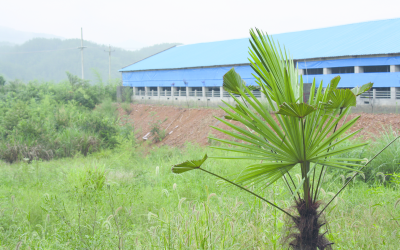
column 46, row 120
column 157, row 132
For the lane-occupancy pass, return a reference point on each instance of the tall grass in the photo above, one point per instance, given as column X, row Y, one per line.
column 127, row 198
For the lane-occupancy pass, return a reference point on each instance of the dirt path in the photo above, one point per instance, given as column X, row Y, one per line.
column 193, row 125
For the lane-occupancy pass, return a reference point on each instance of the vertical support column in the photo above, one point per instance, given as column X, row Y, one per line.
column 392, row 68
column 300, row 72
column 326, row 71
column 358, row 69
column 263, row 96
column 180, row 92
column 221, row 92
column 172, row 91
column 134, row 91
column 158, row 91
column 373, row 94
column 146, row 91
column 393, row 94
column 203, row 91
column 212, row 93
column 187, row 91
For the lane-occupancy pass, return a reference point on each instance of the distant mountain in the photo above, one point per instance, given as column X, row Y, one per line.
column 48, row 59
column 17, row 37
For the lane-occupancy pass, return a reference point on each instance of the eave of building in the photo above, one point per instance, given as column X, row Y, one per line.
column 295, row 60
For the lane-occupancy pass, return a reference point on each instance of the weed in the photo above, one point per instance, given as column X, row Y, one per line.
column 157, row 132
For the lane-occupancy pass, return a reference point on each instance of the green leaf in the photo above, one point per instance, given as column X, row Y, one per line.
column 188, row 165
column 340, row 98
column 359, row 90
column 295, row 109
column 232, row 82
column 335, row 82
column 228, row 117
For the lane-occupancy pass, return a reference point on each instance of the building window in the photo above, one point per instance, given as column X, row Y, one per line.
column 382, row 89
column 166, row 88
column 342, row 70
column 374, row 69
column 196, row 88
column 213, row 88
column 319, row 71
column 140, row 88
column 181, row 88
column 153, row 88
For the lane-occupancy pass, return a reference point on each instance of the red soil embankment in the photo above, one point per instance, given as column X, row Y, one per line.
column 193, row 124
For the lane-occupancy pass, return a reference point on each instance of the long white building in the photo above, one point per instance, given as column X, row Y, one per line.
column 359, row 53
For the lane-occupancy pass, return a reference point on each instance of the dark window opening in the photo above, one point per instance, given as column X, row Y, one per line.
column 140, row 88
column 382, row 89
column 181, row 88
column 319, row 71
column 196, row 88
column 342, row 70
column 153, row 88
column 166, row 88
column 373, row 69
column 213, row 88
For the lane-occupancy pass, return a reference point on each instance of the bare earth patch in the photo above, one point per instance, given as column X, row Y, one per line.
column 193, row 124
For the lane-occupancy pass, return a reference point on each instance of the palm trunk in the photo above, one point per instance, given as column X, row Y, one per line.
column 306, row 229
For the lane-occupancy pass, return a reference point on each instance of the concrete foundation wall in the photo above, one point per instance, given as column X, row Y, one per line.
column 183, row 101
column 367, row 104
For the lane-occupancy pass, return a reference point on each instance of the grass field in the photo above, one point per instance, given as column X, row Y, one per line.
column 127, row 198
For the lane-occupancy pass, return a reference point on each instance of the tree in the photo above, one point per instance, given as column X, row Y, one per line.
column 2, row 81
column 303, row 136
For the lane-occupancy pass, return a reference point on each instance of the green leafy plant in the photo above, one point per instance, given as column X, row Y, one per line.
column 156, row 131
column 300, row 136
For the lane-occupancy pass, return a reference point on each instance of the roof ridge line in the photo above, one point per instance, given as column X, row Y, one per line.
column 148, row 57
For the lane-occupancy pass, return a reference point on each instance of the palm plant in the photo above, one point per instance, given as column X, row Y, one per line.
column 300, row 136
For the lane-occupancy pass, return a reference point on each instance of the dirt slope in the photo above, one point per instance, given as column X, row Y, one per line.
column 193, row 125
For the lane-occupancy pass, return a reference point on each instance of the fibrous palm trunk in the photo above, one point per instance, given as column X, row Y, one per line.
column 305, row 233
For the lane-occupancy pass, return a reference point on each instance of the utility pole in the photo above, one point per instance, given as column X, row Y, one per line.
column 109, row 61
column 81, row 48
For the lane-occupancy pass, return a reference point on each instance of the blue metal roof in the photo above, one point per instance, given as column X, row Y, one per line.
column 374, row 37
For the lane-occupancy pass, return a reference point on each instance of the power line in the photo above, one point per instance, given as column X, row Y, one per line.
column 82, row 48
column 109, row 61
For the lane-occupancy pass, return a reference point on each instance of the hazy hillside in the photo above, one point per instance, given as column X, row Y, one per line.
column 48, row 59
column 13, row 36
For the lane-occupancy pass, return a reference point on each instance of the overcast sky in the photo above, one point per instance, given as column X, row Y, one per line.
column 133, row 23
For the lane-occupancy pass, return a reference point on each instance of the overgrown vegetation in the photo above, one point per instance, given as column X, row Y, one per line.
column 127, row 199
column 43, row 120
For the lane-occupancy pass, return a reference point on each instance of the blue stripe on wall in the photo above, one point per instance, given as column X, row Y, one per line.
column 212, row 77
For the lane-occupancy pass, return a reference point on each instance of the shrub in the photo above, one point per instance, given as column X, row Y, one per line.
column 45, row 120
column 157, row 132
